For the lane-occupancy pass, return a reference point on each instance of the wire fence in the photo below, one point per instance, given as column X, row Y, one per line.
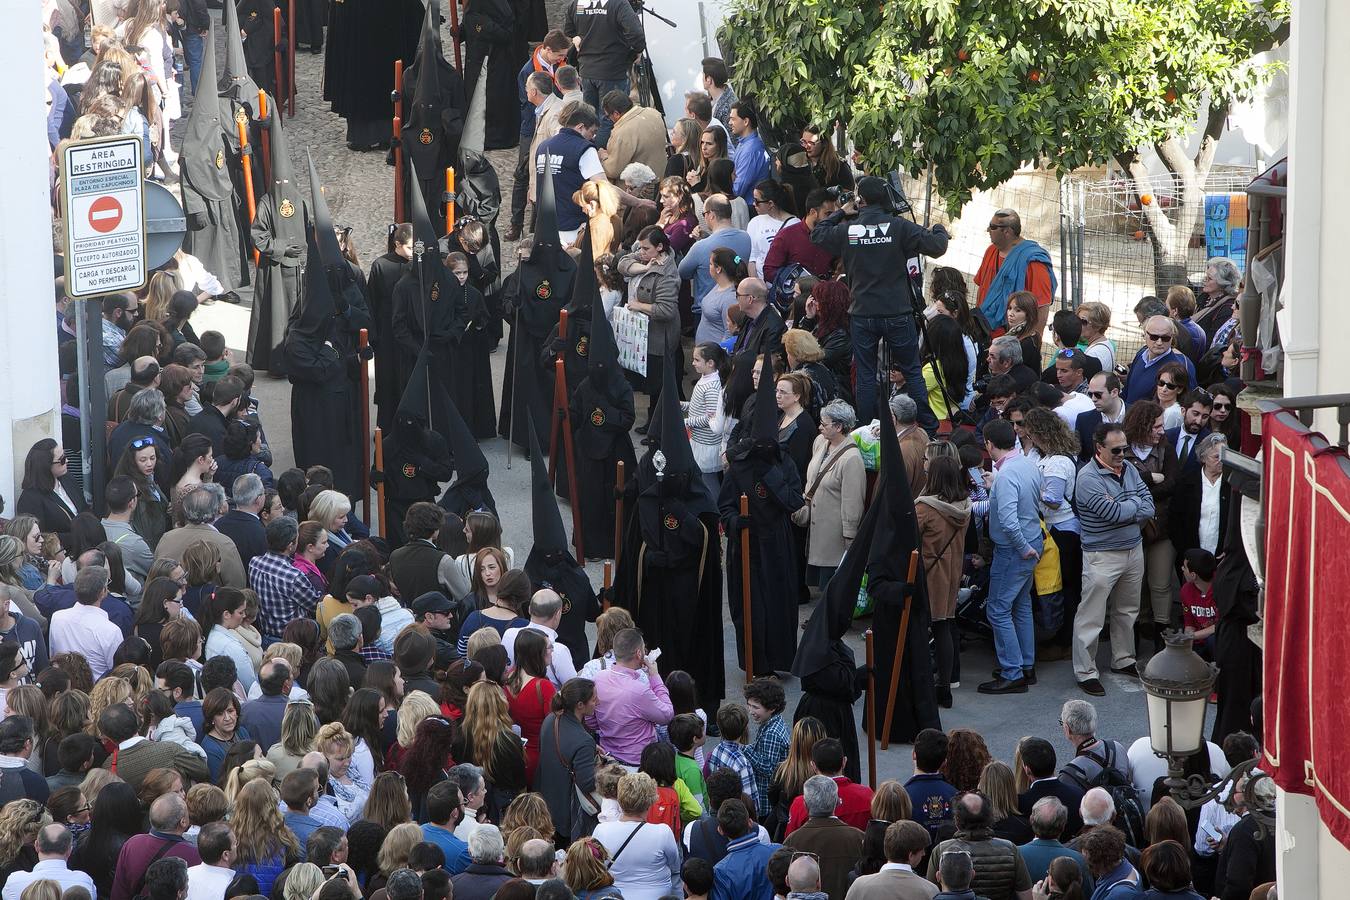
column 1093, row 226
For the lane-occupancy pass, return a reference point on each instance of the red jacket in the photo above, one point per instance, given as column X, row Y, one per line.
column 137, row 854
column 855, row 806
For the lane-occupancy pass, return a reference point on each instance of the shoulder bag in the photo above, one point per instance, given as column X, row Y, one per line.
column 589, row 805
column 802, row 516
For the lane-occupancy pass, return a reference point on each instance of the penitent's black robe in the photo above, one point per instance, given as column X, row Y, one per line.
column 324, row 420
column 829, row 695
column 1236, row 596
column 385, row 273
column 602, row 414
column 670, row 580
column 527, row 385
column 365, row 37
column 260, row 41
column 495, row 49
column 431, row 133
column 770, row 482
column 310, row 17
column 471, row 365
column 560, row 572
column 416, row 462
column 280, row 240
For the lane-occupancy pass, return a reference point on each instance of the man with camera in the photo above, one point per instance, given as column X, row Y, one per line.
column 875, row 246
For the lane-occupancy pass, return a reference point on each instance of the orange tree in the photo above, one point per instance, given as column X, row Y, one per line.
column 978, row 88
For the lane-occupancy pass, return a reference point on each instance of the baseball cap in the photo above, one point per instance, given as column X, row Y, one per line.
column 431, row 602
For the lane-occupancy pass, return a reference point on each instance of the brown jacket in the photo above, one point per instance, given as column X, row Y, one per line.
column 913, row 444
column 892, row 884
column 135, row 762
column 942, row 528
column 175, row 541
column 837, row 845
column 638, row 136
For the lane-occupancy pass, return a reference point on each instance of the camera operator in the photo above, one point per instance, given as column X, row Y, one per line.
column 608, row 36
column 875, row 246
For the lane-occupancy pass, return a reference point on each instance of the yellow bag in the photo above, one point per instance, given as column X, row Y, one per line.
column 1048, row 578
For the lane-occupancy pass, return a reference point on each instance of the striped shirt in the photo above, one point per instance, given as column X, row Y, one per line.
column 1111, row 507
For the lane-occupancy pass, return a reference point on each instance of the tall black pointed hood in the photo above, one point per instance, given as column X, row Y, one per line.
column 764, row 420
column 238, row 85
column 318, row 308
column 550, row 537
column 548, row 276
column 470, row 489
column 416, row 402
column 546, row 206
column 436, row 281
column 681, row 471
column 602, row 354
column 898, row 532
column 203, row 152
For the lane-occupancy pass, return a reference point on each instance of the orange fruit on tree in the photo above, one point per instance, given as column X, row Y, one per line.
column 1034, row 75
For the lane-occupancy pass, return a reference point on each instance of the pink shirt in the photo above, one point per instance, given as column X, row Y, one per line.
column 628, row 712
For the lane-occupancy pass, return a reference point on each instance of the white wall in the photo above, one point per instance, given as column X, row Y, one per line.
column 28, row 374
column 677, row 53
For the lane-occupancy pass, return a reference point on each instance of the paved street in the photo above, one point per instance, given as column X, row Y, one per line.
column 360, row 189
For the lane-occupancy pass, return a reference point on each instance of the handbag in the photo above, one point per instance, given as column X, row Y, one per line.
column 801, row 516
column 588, row 804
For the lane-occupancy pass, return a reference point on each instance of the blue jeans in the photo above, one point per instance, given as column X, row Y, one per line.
column 1009, row 610
column 903, row 342
column 192, row 55
column 593, row 92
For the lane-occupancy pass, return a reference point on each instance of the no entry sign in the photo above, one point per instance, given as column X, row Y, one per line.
column 102, row 198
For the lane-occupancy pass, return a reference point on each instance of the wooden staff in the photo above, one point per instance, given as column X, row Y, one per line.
column 396, row 142
column 450, row 197
column 363, row 341
column 618, row 511
column 745, row 591
column 398, row 169
column 454, row 32
column 276, row 54
column 245, row 160
column 266, row 139
column 290, row 80
column 899, row 652
column 556, row 421
column 379, row 488
column 564, row 423
column 609, row 580
column 870, row 715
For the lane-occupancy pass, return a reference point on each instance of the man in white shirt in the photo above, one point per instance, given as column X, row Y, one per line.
column 546, row 609
column 53, row 847
column 85, row 628
column 1146, row 768
column 218, row 848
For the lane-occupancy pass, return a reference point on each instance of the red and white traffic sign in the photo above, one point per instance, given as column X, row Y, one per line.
column 103, row 205
column 105, row 214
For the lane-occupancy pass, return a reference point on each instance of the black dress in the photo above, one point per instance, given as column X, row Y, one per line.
column 495, row 48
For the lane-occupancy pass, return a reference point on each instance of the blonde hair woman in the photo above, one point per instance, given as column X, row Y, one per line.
column 492, row 744
column 416, row 706
column 650, row 863
column 609, row 623
column 303, row 882
column 163, row 285
column 527, row 811
column 997, row 783
column 398, row 843
column 337, row 746
column 94, row 783
column 20, row 821
column 388, row 804
column 242, row 775
column 793, row 771
column 330, row 509
column 266, row 845
column 299, row 729
column 586, row 870
column 106, row 693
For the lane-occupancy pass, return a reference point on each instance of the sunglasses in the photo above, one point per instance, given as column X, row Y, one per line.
column 1163, row 338
column 60, row 460
column 1096, row 395
column 1223, row 406
column 1114, row 451
column 142, row 443
column 1169, row 385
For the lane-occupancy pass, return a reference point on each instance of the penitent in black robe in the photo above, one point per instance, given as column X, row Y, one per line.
column 495, row 50
column 670, row 579
column 324, row 421
column 385, row 273
column 471, row 365
column 770, row 482
column 1236, row 596
column 527, row 385
column 365, row 37
column 829, row 695
column 432, row 128
column 602, row 415
column 416, row 462
column 260, row 41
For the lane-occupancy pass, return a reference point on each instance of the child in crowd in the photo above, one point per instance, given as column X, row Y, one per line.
column 217, row 356
column 713, row 366
column 733, row 720
column 1198, row 612
column 674, row 801
column 687, row 734
column 765, row 701
column 607, row 785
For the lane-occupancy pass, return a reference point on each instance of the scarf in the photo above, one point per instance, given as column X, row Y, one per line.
column 1010, row 278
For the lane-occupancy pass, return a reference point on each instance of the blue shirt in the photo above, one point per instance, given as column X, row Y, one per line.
column 694, row 266
column 303, row 826
column 1143, row 377
column 456, row 851
column 1121, row 883
column 930, row 796
column 741, row 874
column 193, row 710
column 1014, row 520
column 1038, row 855
column 752, row 165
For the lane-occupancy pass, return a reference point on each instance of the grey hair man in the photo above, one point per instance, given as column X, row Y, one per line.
column 404, row 884
column 473, row 788
column 546, row 609
column 803, row 879
column 86, row 628
column 243, row 524
column 1049, row 817
column 202, row 506
column 1004, row 352
column 537, row 862
column 836, row 844
column 53, row 846
column 147, row 408
column 1078, row 719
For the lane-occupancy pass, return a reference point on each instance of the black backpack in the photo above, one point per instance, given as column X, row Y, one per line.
column 1129, row 813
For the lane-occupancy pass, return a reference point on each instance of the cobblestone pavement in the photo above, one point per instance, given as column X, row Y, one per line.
column 360, row 191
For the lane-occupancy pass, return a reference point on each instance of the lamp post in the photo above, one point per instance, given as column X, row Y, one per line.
column 1178, row 683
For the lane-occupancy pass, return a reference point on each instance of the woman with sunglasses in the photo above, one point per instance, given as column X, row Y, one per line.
column 161, row 601
column 1173, row 382
column 50, row 493
column 1224, row 416
column 13, row 669
column 1153, row 455
column 150, row 518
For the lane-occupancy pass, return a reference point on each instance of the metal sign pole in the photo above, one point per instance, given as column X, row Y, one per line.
column 93, row 403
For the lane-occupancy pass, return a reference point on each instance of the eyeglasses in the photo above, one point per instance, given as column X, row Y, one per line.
column 1218, row 405
column 807, row 853
column 759, row 201
column 1084, row 321
column 994, row 226
column 1096, row 395
column 142, row 443
column 1169, row 385
column 1114, row 451
column 1161, row 338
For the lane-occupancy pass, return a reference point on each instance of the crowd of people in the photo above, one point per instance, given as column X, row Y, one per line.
column 223, row 684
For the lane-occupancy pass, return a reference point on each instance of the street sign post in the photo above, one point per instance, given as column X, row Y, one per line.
column 103, row 205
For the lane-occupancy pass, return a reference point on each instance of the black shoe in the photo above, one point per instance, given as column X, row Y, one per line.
column 1003, row 686
column 642, row 429
column 944, row 697
column 512, row 233
column 1092, row 686
column 1131, row 670
column 1029, row 674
